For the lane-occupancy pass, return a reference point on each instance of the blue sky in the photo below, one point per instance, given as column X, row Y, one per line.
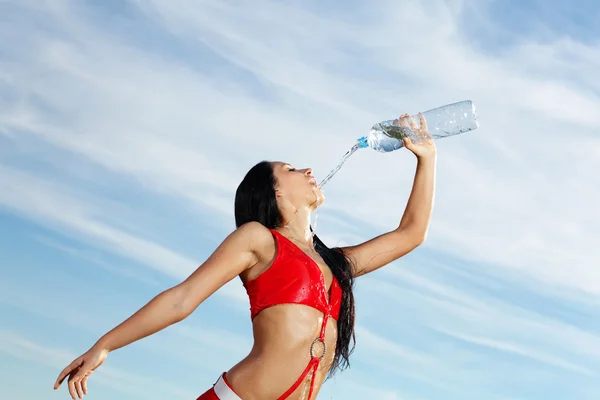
column 125, row 128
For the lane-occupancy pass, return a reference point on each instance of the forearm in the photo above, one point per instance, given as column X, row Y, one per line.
column 420, row 203
column 164, row 310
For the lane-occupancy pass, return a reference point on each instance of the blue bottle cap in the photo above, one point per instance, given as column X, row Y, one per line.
column 363, row 142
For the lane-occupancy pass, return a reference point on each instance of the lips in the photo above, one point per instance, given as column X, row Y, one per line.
column 312, row 181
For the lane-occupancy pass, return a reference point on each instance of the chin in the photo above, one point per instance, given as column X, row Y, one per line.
column 320, row 201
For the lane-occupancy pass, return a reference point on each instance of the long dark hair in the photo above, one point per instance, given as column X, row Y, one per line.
column 255, row 201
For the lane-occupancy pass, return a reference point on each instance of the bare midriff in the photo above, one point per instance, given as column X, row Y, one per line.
column 286, row 341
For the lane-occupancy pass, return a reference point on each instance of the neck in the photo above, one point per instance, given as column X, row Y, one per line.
column 297, row 226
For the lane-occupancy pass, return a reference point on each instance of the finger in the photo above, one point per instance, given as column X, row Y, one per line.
column 423, row 121
column 396, row 122
column 65, row 372
column 423, row 132
column 78, row 388
column 413, row 124
column 71, row 386
column 84, row 384
column 403, row 121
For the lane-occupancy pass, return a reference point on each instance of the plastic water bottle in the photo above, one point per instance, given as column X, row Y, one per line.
column 442, row 122
column 448, row 120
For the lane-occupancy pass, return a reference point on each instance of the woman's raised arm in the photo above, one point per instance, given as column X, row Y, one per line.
column 412, row 230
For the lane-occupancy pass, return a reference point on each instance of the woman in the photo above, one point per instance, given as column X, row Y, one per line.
column 300, row 291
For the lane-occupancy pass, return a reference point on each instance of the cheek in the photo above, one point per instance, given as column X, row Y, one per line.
column 291, row 189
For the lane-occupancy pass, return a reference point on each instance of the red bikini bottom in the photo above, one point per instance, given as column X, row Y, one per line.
column 221, row 390
column 209, row 395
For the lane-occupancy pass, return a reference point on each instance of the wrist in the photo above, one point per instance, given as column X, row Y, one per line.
column 427, row 158
column 103, row 344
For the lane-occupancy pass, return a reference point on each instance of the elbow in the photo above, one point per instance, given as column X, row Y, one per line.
column 180, row 304
column 179, row 314
column 416, row 243
column 416, row 238
column 414, row 232
column 420, row 239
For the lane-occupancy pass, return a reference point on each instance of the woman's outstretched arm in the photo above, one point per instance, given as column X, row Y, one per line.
column 412, row 230
column 234, row 255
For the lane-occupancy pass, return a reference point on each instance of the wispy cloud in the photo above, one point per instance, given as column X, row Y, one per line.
column 88, row 257
column 511, row 348
column 523, row 116
column 486, row 321
column 108, row 115
column 126, row 382
column 53, row 204
column 374, row 342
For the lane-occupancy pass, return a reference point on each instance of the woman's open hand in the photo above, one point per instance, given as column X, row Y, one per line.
column 79, row 371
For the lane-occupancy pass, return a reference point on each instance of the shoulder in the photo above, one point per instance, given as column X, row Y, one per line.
column 256, row 235
column 260, row 241
column 253, row 229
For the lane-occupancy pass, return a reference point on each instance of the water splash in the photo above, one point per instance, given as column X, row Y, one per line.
column 342, row 161
column 313, row 227
column 306, row 386
column 346, row 156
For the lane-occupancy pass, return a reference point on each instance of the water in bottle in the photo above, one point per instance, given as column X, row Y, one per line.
column 386, row 136
column 442, row 122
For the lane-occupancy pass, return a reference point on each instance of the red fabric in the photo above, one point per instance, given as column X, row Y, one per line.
column 312, row 365
column 227, row 382
column 293, row 278
column 209, row 395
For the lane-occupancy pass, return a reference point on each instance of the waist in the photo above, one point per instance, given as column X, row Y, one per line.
column 290, row 327
column 268, row 375
column 286, row 338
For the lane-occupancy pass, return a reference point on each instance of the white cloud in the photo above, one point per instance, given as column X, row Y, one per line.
column 512, row 348
column 88, row 257
column 21, row 347
column 373, row 342
column 52, row 204
column 481, row 216
column 486, row 321
column 222, row 340
column 184, row 124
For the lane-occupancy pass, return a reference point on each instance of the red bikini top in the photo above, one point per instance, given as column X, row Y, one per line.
column 293, row 278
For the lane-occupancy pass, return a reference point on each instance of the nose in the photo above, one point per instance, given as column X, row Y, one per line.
column 308, row 171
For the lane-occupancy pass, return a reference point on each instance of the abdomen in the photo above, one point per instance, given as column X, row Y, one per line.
column 283, row 336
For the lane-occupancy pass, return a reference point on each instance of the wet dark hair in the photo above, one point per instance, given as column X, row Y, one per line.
column 255, row 201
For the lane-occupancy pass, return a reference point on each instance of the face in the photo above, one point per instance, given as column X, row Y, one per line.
column 298, row 186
